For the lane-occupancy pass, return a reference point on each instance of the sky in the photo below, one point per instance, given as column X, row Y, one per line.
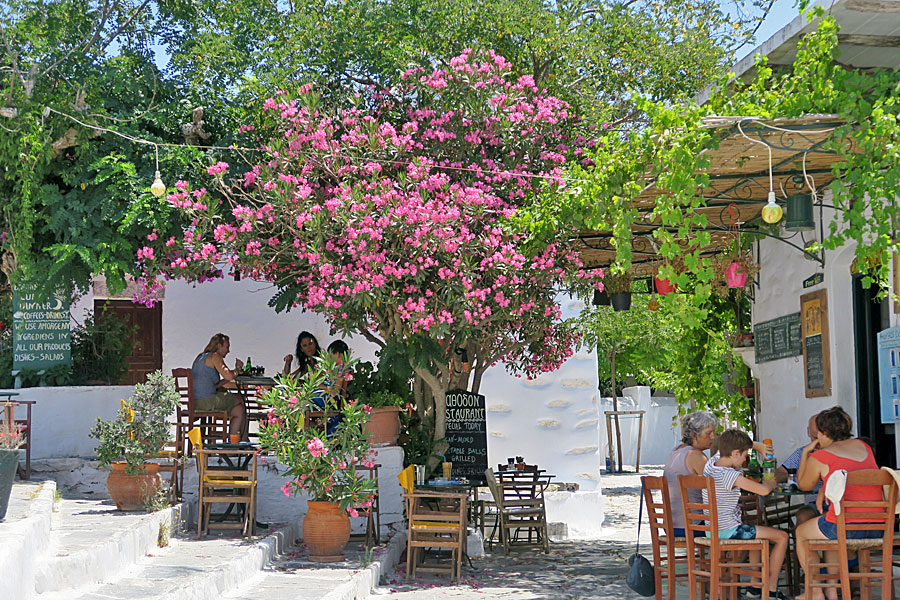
column 782, row 13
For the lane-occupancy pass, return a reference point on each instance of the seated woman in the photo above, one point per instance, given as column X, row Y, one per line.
column 212, row 381
column 333, row 390
column 832, row 451
column 307, row 350
column 698, row 430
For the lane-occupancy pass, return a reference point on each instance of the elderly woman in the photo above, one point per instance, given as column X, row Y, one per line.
column 212, row 378
column 832, row 450
column 698, row 430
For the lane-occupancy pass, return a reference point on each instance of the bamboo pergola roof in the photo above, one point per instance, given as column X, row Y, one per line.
column 739, row 182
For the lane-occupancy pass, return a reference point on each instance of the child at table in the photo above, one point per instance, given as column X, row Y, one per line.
column 724, row 467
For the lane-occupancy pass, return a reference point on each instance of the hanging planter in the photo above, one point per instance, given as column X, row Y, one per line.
column 618, row 287
column 621, row 301
column 735, row 275
column 664, row 287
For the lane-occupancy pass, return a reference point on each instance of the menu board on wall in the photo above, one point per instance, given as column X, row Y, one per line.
column 816, row 356
column 889, row 374
column 40, row 330
column 467, row 434
column 778, row 338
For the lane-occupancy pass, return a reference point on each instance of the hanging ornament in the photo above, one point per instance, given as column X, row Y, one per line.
column 771, row 212
column 653, row 305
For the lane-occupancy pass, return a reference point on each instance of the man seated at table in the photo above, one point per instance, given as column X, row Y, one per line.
column 333, row 390
column 809, row 510
column 213, row 381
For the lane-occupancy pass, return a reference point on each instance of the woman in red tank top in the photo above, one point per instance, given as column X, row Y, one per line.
column 833, row 450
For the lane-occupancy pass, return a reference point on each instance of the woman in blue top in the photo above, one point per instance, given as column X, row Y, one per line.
column 213, row 380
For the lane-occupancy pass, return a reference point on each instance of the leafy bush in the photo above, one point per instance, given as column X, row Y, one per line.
column 141, row 427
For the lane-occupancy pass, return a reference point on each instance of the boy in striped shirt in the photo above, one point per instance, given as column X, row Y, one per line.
column 724, row 467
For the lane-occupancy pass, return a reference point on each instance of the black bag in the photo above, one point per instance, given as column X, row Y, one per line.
column 640, row 576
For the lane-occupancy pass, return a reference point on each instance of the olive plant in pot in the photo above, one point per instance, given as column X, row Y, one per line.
column 386, row 394
column 325, row 467
column 10, row 440
column 139, row 431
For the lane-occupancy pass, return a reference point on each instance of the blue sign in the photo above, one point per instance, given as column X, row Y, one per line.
column 889, row 374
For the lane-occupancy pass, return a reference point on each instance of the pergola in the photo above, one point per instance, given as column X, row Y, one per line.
column 739, row 179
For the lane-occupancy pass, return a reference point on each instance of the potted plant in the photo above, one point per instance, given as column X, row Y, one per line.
column 665, row 287
column 321, row 466
column 618, row 286
column 140, row 430
column 734, row 270
column 10, row 440
column 386, row 394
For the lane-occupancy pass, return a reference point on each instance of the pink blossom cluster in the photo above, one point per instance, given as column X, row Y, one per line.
column 401, row 223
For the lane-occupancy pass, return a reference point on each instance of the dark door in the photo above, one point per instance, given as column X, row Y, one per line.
column 867, row 322
column 147, row 337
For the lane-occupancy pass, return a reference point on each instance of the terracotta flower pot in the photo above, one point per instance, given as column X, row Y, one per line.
column 735, row 276
column 383, row 425
column 326, row 531
column 664, row 287
column 129, row 492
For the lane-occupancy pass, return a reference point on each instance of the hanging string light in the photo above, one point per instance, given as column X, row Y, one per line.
column 771, row 212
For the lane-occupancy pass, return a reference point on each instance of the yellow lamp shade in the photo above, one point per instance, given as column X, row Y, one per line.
column 771, row 212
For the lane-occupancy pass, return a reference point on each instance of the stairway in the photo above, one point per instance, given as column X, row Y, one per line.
column 81, row 548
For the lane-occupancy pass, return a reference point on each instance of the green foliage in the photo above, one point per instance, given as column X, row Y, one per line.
column 141, row 426
column 101, row 347
column 417, row 438
column 378, row 387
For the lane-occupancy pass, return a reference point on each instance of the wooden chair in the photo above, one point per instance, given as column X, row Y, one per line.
column 881, row 515
column 372, row 513
column 436, row 520
column 668, row 551
column 213, row 424
column 234, row 484
column 707, row 556
column 520, row 504
column 171, row 460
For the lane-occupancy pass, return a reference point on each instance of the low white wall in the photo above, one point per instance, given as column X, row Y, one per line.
column 660, row 433
column 63, row 417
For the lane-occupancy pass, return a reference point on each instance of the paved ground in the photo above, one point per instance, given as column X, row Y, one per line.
column 573, row 570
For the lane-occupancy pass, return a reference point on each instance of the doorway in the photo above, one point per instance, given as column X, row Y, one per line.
column 868, row 319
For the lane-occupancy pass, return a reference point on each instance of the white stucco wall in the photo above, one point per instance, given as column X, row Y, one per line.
column 783, row 408
column 551, row 421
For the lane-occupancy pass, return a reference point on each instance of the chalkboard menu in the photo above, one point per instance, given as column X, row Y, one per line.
column 40, row 330
column 467, row 435
column 816, row 357
column 778, row 338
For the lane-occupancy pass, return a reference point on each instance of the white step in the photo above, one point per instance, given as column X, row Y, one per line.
column 24, row 537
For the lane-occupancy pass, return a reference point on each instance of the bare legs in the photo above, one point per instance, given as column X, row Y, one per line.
column 805, row 532
column 238, row 417
column 776, row 553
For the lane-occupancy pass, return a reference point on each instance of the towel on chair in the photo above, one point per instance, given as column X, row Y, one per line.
column 896, row 477
column 834, row 489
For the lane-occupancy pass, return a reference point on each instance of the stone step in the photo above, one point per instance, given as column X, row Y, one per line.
column 91, row 542
column 187, row 569
column 24, row 536
column 293, row 576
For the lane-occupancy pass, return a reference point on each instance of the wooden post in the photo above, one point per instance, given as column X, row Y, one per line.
column 637, row 461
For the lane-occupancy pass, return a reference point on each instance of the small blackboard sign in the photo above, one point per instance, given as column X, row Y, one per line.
column 778, row 338
column 467, row 435
column 41, row 330
column 815, row 362
column 816, row 357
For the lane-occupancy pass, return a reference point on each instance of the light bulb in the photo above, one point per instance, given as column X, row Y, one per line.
column 771, row 212
column 158, row 188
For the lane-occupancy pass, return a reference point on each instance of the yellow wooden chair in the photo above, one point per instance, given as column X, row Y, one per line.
column 233, row 483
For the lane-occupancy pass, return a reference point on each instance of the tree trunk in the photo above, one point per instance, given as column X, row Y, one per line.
column 439, row 396
column 615, row 398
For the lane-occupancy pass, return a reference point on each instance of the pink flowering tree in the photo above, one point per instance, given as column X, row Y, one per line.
column 402, row 223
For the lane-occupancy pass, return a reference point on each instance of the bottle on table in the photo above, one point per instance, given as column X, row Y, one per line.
column 248, row 367
column 768, row 466
column 753, row 469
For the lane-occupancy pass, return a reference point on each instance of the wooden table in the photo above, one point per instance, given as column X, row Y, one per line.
column 437, row 519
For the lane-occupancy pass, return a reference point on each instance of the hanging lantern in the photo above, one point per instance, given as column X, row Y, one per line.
column 799, row 213
column 158, row 188
column 653, row 305
column 771, row 212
